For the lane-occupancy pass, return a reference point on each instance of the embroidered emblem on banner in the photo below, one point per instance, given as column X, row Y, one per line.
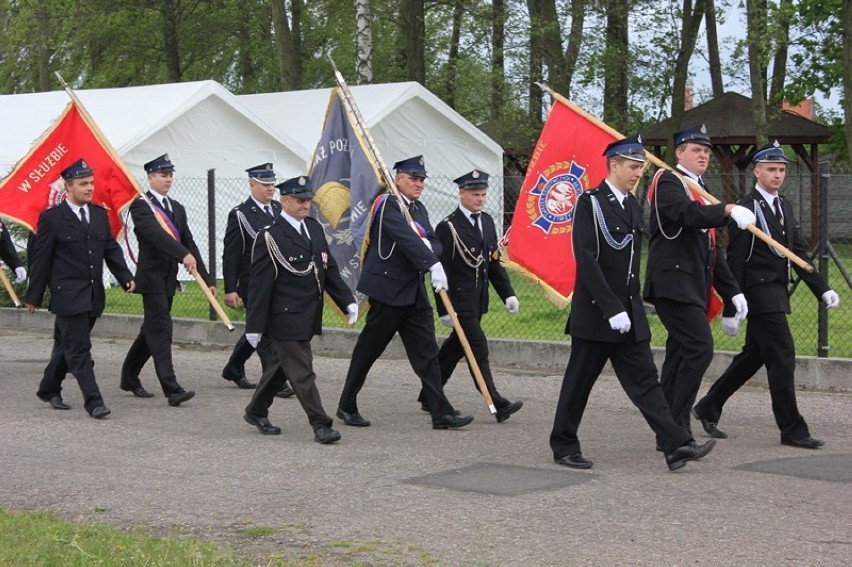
column 550, row 204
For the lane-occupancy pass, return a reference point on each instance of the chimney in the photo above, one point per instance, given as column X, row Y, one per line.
column 804, row 108
column 688, row 101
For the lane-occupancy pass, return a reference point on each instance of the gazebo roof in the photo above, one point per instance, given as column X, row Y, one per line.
column 729, row 120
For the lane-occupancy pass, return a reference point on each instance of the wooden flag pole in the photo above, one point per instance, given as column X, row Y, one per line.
column 9, row 289
column 352, row 106
column 117, row 159
column 789, row 254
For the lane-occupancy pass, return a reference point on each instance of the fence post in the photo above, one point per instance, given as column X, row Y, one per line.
column 211, row 231
column 822, row 319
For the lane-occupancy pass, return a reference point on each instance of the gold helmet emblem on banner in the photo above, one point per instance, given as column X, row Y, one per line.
column 332, row 199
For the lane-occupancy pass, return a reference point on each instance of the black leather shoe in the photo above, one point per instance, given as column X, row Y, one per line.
column 100, row 412
column 56, row 402
column 451, row 421
column 262, row 424
column 690, row 452
column 244, row 384
column 286, row 392
column 325, row 435
column 353, row 419
column 140, row 392
column 803, row 443
column 180, row 396
column 575, row 461
column 504, row 412
column 710, row 427
column 232, row 375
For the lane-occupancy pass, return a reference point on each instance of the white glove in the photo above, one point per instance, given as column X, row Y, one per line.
column 741, row 305
column 512, row 305
column 620, row 322
column 447, row 320
column 742, row 216
column 731, row 326
column 439, row 277
column 352, row 311
column 253, row 339
column 831, row 299
column 21, row 274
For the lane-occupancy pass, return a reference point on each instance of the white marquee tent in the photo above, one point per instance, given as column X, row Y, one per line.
column 405, row 119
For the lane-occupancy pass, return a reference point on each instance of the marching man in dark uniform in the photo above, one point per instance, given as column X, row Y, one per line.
column 8, row 254
column 156, row 279
column 471, row 259
column 68, row 253
column 244, row 222
column 684, row 261
column 763, row 274
column 392, row 278
column 291, row 269
column 607, row 320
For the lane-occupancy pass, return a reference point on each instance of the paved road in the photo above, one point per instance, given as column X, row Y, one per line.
column 400, row 493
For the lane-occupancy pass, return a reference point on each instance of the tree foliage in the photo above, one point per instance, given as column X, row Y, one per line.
column 626, row 61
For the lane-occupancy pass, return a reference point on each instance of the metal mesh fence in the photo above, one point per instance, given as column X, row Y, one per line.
column 538, row 318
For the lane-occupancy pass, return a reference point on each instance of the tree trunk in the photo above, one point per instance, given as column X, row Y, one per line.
column 756, row 24
column 575, row 39
column 43, row 55
column 171, row 45
column 779, row 62
column 288, row 43
column 615, row 79
column 716, row 81
column 451, row 68
column 363, row 43
column 498, row 40
column 413, row 29
column 846, row 21
column 536, row 58
column 691, row 17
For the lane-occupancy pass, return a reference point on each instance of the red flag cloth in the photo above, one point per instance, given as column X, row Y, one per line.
column 35, row 184
column 714, row 302
column 567, row 160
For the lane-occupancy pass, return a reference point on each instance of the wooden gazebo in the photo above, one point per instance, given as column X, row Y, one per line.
column 730, row 124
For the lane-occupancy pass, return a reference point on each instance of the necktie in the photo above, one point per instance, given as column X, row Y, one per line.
column 269, row 211
column 304, row 232
column 412, row 207
column 778, row 214
column 167, row 206
column 83, row 220
column 474, row 218
column 701, row 183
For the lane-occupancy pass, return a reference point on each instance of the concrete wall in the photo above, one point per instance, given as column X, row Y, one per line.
column 545, row 357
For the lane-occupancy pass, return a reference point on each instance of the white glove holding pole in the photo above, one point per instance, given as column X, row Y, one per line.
column 742, row 216
column 620, row 322
column 439, row 277
column 447, row 320
column 352, row 312
column 731, row 326
column 253, row 339
column 512, row 305
column 831, row 299
column 741, row 305
column 20, row 274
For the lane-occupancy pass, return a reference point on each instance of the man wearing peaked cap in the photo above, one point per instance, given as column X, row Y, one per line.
column 68, row 253
column 244, row 222
column 763, row 276
column 685, row 264
column 608, row 321
column 471, row 258
column 291, row 269
column 395, row 263
column 160, row 252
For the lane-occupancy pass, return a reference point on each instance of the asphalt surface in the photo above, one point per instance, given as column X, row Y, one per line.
column 401, row 493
